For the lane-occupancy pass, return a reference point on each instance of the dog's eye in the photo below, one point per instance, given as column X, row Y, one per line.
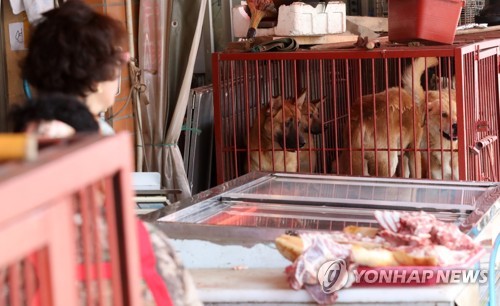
column 444, row 115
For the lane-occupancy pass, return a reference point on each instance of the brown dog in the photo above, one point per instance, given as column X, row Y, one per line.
column 389, row 122
column 275, row 136
column 439, row 155
column 312, row 125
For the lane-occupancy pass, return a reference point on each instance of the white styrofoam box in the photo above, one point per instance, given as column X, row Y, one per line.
column 301, row 19
column 297, row 19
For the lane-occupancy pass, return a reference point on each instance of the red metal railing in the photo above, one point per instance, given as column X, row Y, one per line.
column 70, row 208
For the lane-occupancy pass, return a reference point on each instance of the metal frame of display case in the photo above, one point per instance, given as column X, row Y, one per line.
column 187, row 218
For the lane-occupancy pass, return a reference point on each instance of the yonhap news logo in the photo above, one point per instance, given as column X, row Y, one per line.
column 333, row 275
column 390, row 275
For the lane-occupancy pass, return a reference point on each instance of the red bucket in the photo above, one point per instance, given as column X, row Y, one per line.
column 428, row 20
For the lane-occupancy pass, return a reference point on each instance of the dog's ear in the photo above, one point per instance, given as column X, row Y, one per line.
column 301, row 98
column 318, row 100
column 275, row 104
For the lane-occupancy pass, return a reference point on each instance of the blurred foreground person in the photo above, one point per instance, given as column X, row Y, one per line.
column 73, row 64
column 76, row 51
column 60, row 116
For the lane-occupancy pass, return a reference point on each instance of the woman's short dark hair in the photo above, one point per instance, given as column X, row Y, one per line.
column 72, row 48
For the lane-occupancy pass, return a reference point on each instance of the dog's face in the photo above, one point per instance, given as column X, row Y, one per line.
column 311, row 117
column 443, row 114
column 283, row 122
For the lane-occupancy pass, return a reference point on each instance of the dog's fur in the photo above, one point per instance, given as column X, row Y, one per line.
column 278, row 129
column 441, row 160
column 312, row 125
column 398, row 126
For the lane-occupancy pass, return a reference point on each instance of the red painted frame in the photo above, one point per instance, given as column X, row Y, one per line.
column 37, row 224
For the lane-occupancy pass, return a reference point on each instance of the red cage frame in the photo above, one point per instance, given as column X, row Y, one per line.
column 245, row 82
column 44, row 244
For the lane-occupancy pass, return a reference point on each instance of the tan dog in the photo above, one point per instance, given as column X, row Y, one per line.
column 312, row 125
column 442, row 157
column 381, row 131
column 275, row 136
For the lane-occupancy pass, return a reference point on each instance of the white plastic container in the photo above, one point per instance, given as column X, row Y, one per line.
column 301, row 19
column 297, row 19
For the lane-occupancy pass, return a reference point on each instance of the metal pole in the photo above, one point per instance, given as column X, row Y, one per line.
column 133, row 69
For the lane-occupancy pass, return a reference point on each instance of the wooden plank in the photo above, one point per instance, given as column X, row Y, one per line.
column 324, row 39
column 348, row 44
column 478, row 30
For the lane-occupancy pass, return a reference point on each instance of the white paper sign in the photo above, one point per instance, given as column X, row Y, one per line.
column 16, row 35
column 35, row 8
column 17, row 6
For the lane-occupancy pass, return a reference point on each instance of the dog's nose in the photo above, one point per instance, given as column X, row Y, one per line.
column 302, row 143
column 454, row 128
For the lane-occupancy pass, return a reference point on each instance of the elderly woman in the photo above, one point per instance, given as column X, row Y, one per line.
column 76, row 51
column 73, row 64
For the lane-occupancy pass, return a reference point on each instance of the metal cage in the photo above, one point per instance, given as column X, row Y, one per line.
column 244, row 85
column 470, row 10
column 381, row 8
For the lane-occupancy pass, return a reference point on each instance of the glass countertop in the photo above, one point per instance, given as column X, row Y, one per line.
column 330, row 202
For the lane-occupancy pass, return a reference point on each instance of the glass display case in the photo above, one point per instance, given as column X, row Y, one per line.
column 278, row 202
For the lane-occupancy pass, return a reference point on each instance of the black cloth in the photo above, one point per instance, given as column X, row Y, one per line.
column 285, row 44
column 67, row 109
